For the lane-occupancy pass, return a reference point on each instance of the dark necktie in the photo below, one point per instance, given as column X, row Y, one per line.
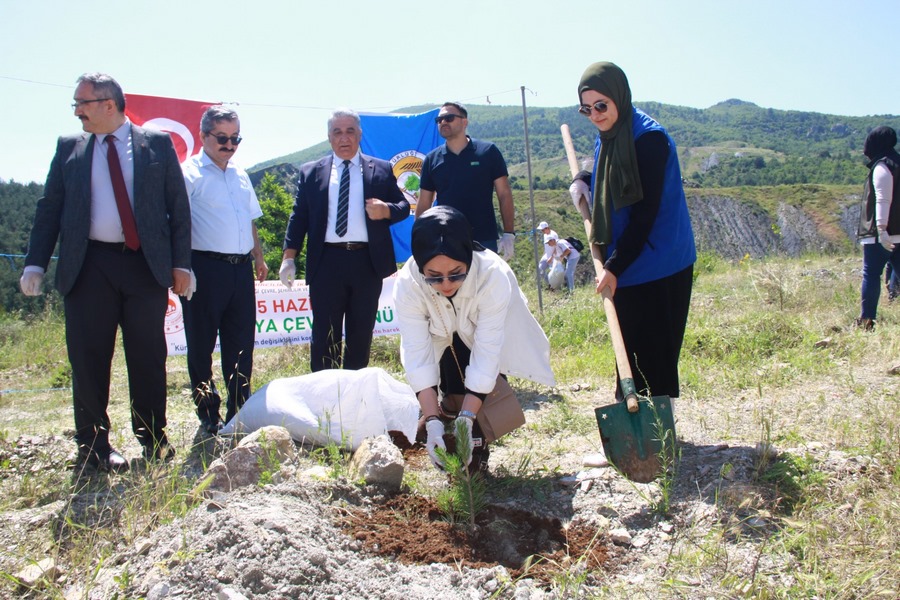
column 343, row 207
column 121, row 192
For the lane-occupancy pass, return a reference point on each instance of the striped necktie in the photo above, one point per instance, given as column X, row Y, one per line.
column 343, row 207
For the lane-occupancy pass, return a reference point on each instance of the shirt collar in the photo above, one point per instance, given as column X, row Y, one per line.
column 355, row 161
column 203, row 160
column 122, row 132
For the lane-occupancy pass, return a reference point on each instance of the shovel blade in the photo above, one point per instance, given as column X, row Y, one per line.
column 638, row 444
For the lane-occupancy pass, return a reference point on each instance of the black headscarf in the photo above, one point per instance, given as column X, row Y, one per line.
column 880, row 144
column 617, row 182
column 442, row 231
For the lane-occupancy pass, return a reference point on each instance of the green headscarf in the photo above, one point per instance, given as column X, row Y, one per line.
column 617, row 181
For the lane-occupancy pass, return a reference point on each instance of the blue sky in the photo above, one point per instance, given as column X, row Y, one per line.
column 287, row 63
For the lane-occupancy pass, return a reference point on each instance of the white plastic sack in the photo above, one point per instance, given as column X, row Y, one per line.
column 557, row 275
column 340, row 406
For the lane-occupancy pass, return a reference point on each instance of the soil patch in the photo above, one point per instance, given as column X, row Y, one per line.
column 412, row 529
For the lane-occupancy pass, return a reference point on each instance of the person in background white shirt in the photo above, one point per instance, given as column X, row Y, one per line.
column 544, row 265
column 562, row 251
column 879, row 218
column 226, row 256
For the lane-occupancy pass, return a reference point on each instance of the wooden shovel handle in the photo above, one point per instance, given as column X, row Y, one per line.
column 612, row 318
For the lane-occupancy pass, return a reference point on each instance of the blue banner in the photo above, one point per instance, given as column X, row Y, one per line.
column 402, row 140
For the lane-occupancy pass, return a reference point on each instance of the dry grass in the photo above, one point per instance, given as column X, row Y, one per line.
column 770, row 356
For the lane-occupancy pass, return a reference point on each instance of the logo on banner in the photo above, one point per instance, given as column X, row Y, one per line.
column 407, row 167
column 174, row 319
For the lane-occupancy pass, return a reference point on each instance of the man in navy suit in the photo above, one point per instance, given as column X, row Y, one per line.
column 345, row 205
column 116, row 201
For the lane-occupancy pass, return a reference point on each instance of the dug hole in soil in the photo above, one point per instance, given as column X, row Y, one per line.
column 413, row 529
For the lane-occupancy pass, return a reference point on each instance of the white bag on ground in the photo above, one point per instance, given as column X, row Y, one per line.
column 339, row 406
column 557, row 275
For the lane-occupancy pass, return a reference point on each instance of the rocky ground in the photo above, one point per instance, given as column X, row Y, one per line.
column 299, row 535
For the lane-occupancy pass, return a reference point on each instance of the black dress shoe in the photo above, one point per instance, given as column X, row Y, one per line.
column 163, row 453
column 115, row 463
column 211, row 425
column 101, row 463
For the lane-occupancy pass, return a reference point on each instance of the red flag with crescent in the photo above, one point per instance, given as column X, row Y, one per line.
column 179, row 118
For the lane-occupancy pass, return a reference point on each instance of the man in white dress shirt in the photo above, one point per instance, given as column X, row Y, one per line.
column 226, row 256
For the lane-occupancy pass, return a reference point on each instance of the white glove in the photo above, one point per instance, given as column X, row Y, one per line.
column 577, row 190
column 507, row 245
column 885, row 239
column 191, row 288
column 31, row 283
column 287, row 272
column 466, row 424
column 435, row 430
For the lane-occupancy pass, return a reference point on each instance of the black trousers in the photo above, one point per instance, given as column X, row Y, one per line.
column 116, row 289
column 223, row 306
column 653, row 317
column 344, row 296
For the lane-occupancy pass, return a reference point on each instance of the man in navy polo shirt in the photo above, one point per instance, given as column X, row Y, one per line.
column 464, row 173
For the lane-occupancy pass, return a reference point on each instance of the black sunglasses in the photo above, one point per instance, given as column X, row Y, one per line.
column 223, row 139
column 450, row 278
column 600, row 106
column 448, row 118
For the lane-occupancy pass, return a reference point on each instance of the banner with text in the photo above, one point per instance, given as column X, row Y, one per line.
column 402, row 140
column 283, row 316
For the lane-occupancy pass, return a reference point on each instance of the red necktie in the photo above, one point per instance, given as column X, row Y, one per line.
column 126, row 215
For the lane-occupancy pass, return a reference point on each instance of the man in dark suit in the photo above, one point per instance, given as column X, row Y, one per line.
column 116, row 201
column 345, row 205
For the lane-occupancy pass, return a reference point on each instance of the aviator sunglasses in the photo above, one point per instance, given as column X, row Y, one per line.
column 448, row 118
column 451, row 278
column 600, row 106
column 223, row 139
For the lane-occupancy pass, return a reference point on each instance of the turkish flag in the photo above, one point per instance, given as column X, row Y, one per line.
column 179, row 118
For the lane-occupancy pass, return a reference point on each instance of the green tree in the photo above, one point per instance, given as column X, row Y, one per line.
column 276, row 204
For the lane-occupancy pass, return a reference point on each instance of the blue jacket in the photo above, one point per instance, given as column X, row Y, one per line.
column 670, row 246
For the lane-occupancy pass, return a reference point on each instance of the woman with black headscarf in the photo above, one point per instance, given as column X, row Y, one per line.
column 640, row 221
column 464, row 324
column 879, row 218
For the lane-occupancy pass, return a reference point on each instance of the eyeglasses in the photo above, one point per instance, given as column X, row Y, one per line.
column 223, row 139
column 448, row 118
column 451, row 278
column 78, row 103
column 600, row 106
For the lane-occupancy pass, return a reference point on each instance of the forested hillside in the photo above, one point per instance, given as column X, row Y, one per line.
column 733, row 143
column 17, row 204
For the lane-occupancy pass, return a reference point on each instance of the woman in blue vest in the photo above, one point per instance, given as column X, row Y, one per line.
column 640, row 221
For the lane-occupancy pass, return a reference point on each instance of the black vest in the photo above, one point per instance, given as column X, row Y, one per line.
column 867, row 227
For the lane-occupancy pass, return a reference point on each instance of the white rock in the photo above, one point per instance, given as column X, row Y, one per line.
column 569, row 480
column 378, row 461
column 230, row 594
column 596, row 460
column 318, row 472
column 620, row 536
column 158, row 591
column 31, row 575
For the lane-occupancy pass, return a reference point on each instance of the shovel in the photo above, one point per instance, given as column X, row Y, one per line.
column 638, row 435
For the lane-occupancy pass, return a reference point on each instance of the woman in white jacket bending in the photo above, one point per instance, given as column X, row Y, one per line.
column 465, row 325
